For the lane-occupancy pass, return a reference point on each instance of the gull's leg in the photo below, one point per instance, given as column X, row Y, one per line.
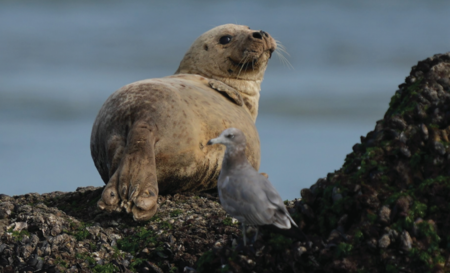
column 256, row 234
column 243, row 233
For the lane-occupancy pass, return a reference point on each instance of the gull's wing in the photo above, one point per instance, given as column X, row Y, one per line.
column 281, row 216
column 251, row 198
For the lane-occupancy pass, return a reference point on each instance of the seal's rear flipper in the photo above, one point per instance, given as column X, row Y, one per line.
column 134, row 181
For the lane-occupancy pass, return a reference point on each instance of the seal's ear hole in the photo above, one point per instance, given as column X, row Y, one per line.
column 225, row 39
column 205, row 47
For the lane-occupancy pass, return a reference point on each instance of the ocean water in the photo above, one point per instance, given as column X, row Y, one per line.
column 59, row 61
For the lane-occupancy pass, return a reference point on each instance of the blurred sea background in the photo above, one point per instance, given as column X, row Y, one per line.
column 60, row 60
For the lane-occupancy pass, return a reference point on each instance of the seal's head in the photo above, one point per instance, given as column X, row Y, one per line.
column 233, row 54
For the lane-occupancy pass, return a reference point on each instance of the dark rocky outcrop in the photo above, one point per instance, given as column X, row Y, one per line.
column 66, row 232
column 386, row 210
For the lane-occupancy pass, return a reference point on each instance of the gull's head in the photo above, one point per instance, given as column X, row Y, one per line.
column 230, row 137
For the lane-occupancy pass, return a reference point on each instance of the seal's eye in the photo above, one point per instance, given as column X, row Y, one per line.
column 225, row 39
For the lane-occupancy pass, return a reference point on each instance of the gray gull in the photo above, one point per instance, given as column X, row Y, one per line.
column 246, row 194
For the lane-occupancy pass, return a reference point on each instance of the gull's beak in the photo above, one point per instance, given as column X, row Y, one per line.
column 213, row 141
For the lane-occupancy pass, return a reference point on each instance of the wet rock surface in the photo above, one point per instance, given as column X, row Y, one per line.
column 394, row 188
column 66, row 232
column 386, row 210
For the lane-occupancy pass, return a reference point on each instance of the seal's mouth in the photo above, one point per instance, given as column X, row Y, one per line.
column 271, row 50
column 245, row 65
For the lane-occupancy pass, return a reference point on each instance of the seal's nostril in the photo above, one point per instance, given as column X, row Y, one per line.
column 264, row 33
column 257, row 35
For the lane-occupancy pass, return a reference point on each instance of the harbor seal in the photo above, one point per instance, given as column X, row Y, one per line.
column 150, row 136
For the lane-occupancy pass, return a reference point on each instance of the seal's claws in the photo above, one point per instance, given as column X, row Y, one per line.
column 106, row 207
column 144, row 215
column 101, row 205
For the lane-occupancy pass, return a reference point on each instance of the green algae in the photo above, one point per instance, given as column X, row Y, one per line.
column 19, row 235
column 343, row 250
column 204, row 262
column 279, row 242
column 401, row 104
column 137, row 241
column 175, row 213
column 97, row 268
column 228, row 221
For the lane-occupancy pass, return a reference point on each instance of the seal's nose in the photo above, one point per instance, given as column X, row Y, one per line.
column 257, row 35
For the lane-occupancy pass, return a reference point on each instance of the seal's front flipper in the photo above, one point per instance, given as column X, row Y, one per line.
column 135, row 177
column 227, row 90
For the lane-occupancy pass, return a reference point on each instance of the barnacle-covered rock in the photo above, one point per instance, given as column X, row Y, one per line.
column 6, row 208
column 402, row 175
column 58, row 232
column 406, row 241
column 384, row 241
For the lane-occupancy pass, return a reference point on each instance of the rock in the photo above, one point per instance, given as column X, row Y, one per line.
column 151, row 268
column 343, row 220
column 385, row 214
column 188, row 269
column 402, row 206
column 18, row 226
column 300, row 251
column 6, row 208
column 334, row 237
column 36, row 262
column 405, row 151
column 336, row 195
column 440, row 148
column 397, row 174
column 415, row 228
column 424, row 131
column 406, row 241
column 344, row 266
column 60, row 236
column 384, row 241
column 307, row 210
column 398, row 123
column 307, row 196
column 393, row 234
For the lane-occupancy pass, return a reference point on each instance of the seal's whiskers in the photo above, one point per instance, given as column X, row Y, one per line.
column 243, row 64
column 279, row 52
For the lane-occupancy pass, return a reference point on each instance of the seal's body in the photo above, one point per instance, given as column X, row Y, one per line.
column 150, row 136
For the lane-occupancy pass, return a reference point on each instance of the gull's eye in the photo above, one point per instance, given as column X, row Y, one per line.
column 225, row 39
column 229, row 136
